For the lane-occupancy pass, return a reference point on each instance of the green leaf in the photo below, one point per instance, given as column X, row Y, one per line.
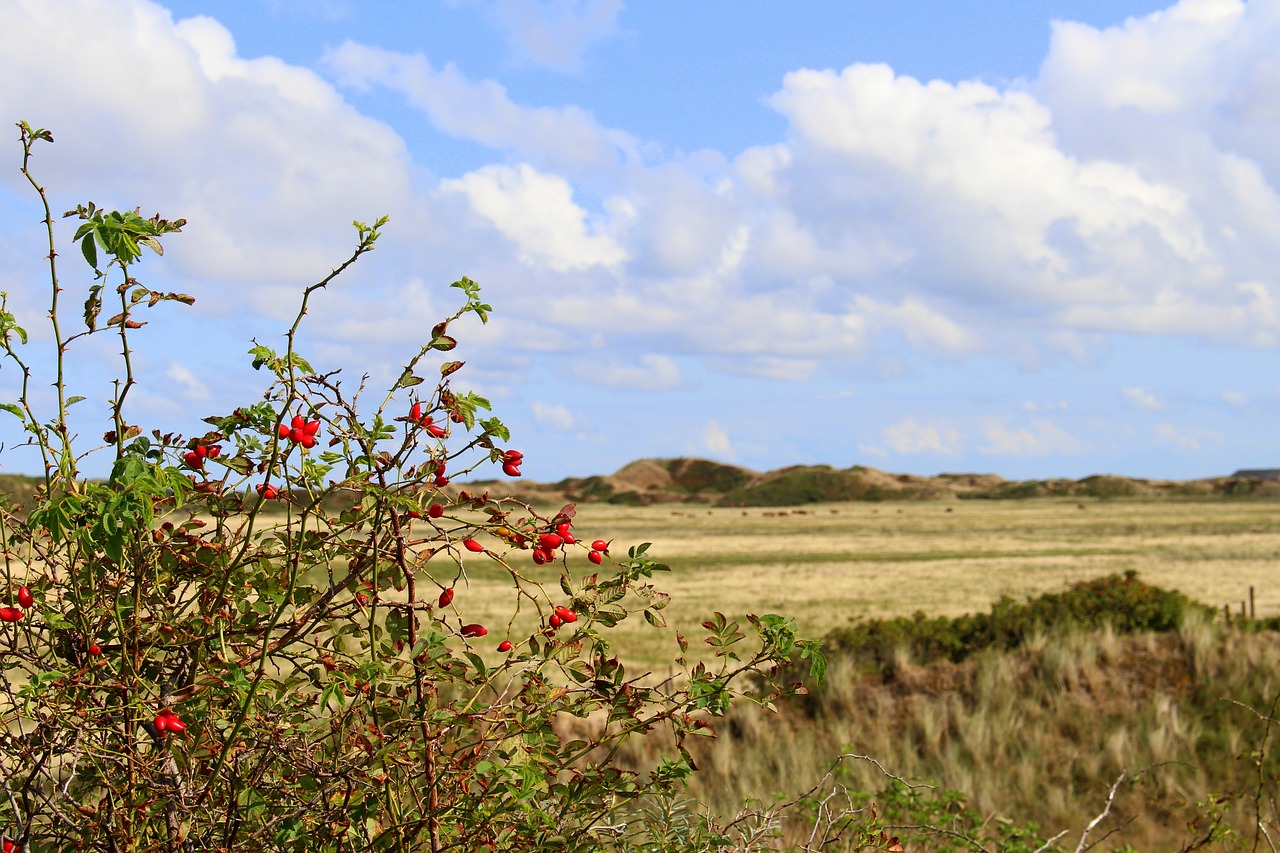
column 88, row 247
column 13, row 409
column 407, row 380
column 240, row 464
column 478, row 663
column 71, row 401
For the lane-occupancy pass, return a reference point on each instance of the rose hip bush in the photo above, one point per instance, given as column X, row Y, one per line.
column 257, row 638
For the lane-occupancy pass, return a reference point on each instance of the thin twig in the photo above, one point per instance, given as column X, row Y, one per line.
column 1093, row 824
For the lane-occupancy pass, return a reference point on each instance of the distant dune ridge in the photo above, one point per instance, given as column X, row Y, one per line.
column 708, row 483
column 701, row 481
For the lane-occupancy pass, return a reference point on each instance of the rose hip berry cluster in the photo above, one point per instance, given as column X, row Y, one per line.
column 25, row 601
column 168, row 721
column 561, row 616
column 511, row 462
column 426, row 422
column 301, row 431
column 549, row 542
column 195, row 456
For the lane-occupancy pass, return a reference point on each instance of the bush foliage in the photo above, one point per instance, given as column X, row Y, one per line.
column 1121, row 600
column 185, row 671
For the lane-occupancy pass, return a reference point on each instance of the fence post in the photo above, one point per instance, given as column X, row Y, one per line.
column 1252, row 615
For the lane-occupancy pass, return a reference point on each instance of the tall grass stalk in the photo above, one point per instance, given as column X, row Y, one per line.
column 1035, row 734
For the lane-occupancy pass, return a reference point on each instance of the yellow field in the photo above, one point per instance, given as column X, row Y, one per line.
column 830, row 564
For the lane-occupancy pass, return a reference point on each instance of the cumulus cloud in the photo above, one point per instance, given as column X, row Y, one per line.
column 190, row 128
column 188, row 386
column 716, row 441
column 1032, row 406
column 555, row 33
column 909, row 437
column 923, row 328
column 537, row 212
column 1141, row 398
column 945, row 218
column 560, row 138
column 1041, row 438
column 650, row 373
column 1188, row 438
column 554, row 415
column 1234, row 398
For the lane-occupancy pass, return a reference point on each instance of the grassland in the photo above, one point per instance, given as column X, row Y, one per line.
column 834, row 564
column 1030, row 736
column 1034, row 735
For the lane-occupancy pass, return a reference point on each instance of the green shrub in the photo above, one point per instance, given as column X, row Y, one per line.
column 811, row 484
column 1107, row 486
column 182, row 672
column 1122, row 601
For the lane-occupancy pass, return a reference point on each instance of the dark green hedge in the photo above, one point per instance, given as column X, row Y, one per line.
column 1123, row 601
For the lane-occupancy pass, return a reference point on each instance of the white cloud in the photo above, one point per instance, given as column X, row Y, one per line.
column 908, row 436
column 554, row 415
column 187, row 127
column 1188, row 438
column 1234, row 398
column 766, row 367
column 1143, row 399
column 923, row 328
column 1155, row 65
column 565, row 138
column 949, row 218
column 1035, row 218
column 1032, row 407
column 536, row 211
column 188, row 386
column 1042, row 438
column 555, row 33
column 652, row 373
column 716, row 441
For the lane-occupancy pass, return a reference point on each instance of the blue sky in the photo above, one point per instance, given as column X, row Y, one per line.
column 1033, row 238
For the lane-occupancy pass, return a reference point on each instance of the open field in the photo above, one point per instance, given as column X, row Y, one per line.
column 831, row 564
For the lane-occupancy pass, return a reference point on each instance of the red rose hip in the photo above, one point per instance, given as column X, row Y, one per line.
column 25, row 598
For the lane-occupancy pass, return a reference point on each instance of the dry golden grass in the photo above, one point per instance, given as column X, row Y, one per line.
column 832, row 564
